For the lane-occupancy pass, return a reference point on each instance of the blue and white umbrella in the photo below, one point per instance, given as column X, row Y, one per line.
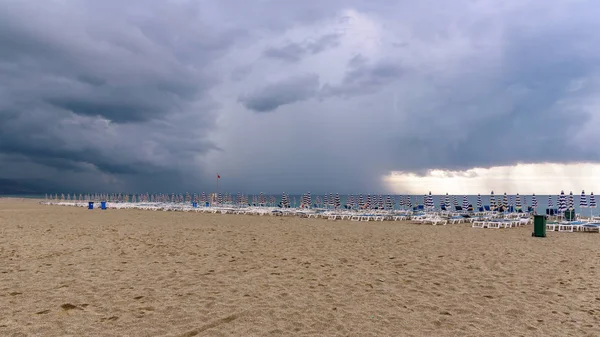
column 550, row 202
column 505, row 200
column 454, row 201
column 534, row 202
column 388, row 202
column 592, row 202
column 447, row 201
column 479, row 203
column 337, row 202
column 571, row 202
column 583, row 200
column 562, row 202
column 518, row 202
column 429, row 201
column 492, row 201
column 285, row 200
column 465, row 204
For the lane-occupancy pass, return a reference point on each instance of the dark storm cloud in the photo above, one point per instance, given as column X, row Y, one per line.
column 363, row 78
column 145, row 95
column 519, row 114
column 294, row 52
column 288, row 91
column 69, row 80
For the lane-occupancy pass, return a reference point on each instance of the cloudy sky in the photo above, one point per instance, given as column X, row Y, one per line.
column 295, row 96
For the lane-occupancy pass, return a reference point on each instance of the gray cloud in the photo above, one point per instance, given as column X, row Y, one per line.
column 145, row 95
column 294, row 52
column 288, row 91
column 363, row 78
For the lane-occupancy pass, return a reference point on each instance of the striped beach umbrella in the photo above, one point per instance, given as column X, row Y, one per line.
column 592, row 202
column 388, row 202
column 550, row 202
column 361, row 201
column 562, row 202
column 337, row 202
column 465, row 203
column 534, row 202
column 409, row 202
column 571, row 201
column 479, row 203
column 583, row 200
column 308, row 200
column 518, row 204
column 369, row 202
column 455, row 201
column 505, row 200
column 447, row 200
column 428, row 202
column 492, row 201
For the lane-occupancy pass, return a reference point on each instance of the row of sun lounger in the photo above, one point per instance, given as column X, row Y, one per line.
column 573, row 226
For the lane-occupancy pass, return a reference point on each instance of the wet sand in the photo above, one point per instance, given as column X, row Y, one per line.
column 68, row 271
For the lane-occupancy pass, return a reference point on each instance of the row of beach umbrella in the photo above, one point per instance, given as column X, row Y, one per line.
column 564, row 202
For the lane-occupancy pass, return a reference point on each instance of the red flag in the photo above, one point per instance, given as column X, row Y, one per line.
column 218, row 176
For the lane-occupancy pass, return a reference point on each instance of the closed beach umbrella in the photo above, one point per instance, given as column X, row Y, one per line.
column 337, row 202
column 518, row 202
column 455, row 201
column 583, row 200
column 534, row 202
column 361, row 201
column 388, row 202
column 465, row 203
column 409, row 201
column 550, row 202
column 492, row 201
column 429, row 201
column 562, row 202
column 505, row 200
column 479, row 203
column 592, row 202
column 447, row 200
column 571, row 202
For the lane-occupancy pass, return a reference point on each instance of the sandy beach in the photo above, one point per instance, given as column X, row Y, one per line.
column 68, row 271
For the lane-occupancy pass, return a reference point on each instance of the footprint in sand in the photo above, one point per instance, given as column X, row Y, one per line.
column 69, row 306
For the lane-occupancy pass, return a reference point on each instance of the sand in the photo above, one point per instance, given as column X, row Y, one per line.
column 68, row 271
